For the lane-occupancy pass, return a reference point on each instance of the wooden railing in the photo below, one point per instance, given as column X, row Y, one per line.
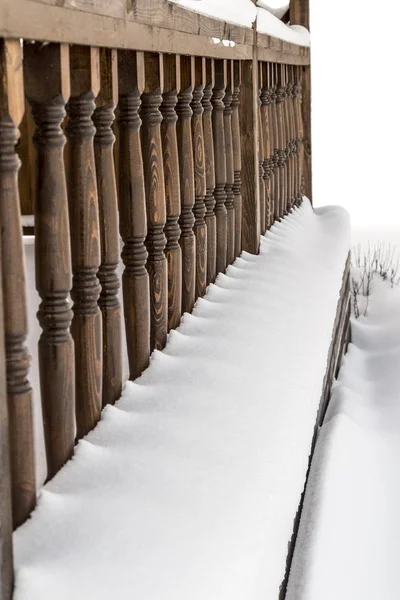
column 212, row 147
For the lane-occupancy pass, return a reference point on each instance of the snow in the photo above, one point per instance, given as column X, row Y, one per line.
column 268, row 23
column 188, row 487
column 349, row 538
column 276, row 7
column 244, row 12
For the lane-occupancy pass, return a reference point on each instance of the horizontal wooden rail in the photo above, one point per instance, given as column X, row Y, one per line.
column 153, row 26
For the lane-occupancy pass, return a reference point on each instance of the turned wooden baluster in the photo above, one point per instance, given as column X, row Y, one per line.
column 85, row 236
column 220, row 162
column 237, row 160
column 286, row 137
column 155, row 198
column 271, row 140
column 47, row 87
column 230, row 177
column 210, row 218
column 261, row 154
column 281, row 155
column 292, row 135
column 199, row 209
column 186, row 174
column 275, row 151
column 172, row 187
column 19, row 390
column 300, row 139
column 103, row 118
column 132, row 212
column 295, row 136
column 265, row 126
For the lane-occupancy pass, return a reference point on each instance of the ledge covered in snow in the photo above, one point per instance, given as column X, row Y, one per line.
column 188, row 487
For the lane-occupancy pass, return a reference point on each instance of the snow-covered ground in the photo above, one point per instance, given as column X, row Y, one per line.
column 188, row 487
column 349, row 538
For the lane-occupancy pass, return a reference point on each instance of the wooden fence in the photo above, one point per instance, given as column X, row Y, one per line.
column 212, row 147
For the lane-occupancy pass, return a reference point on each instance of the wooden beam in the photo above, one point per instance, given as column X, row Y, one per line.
column 300, row 13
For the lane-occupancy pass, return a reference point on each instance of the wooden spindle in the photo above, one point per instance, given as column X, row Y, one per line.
column 220, row 162
column 291, row 149
column 280, row 96
column 300, row 147
column 275, row 133
column 237, row 159
column 155, row 198
column 265, row 126
column 103, row 118
column 85, row 236
column 132, row 218
column 285, row 137
column 261, row 155
column 295, row 136
column 248, row 112
column 210, row 218
column 19, row 390
column 47, row 87
column 230, row 178
column 6, row 524
column 186, row 173
column 199, row 209
column 172, row 187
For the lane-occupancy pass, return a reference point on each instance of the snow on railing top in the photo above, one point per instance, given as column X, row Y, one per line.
column 245, row 12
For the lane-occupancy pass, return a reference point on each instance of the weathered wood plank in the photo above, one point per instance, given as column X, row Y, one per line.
column 300, row 13
column 47, row 87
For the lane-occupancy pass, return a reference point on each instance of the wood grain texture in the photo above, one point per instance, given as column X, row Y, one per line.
column 19, row 390
column 237, row 158
column 30, row 19
column 249, row 135
column 172, row 187
column 155, row 200
column 26, row 153
column 133, row 219
column 220, row 163
column 209, row 200
column 86, row 326
column 266, row 128
column 230, row 209
column 306, row 130
column 280, row 97
column 199, row 209
column 47, row 87
column 103, row 118
column 261, row 158
column 186, row 174
column 300, row 13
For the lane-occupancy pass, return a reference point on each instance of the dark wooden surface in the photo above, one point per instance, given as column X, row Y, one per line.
column 186, row 174
column 210, row 218
column 47, row 86
column 86, row 325
column 237, row 158
column 230, row 209
column 13, row 281
column 199, row 208
column 132, row 214
column 248, row 112
column 220, row 162
column 261, row 158
column 300, row 13
column 266, row 129
column 172, row 187
column 103, row 118
column 155, row 199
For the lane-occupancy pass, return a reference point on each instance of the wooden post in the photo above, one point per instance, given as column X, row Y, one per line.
column 210, row 218
column 47, row 86
column 199, row 209
column 15, row 322
column 85, row 236
column 133, row 220
column 230, row 178
column 220, row 162
column 280, row 97
column 155, row 197
column 172, row 187
column 103, row 118
column 300, row 15
column 266, row 128
column 249, row 140
column 261, row 155
column 237, row 159
column 186, row 173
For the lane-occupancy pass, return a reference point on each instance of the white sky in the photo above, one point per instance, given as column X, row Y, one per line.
column 356, row 108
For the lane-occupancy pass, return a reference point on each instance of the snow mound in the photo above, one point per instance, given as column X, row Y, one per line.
column 276, row 7
column 270, row 24
column 348, row 543
column 188, row 487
